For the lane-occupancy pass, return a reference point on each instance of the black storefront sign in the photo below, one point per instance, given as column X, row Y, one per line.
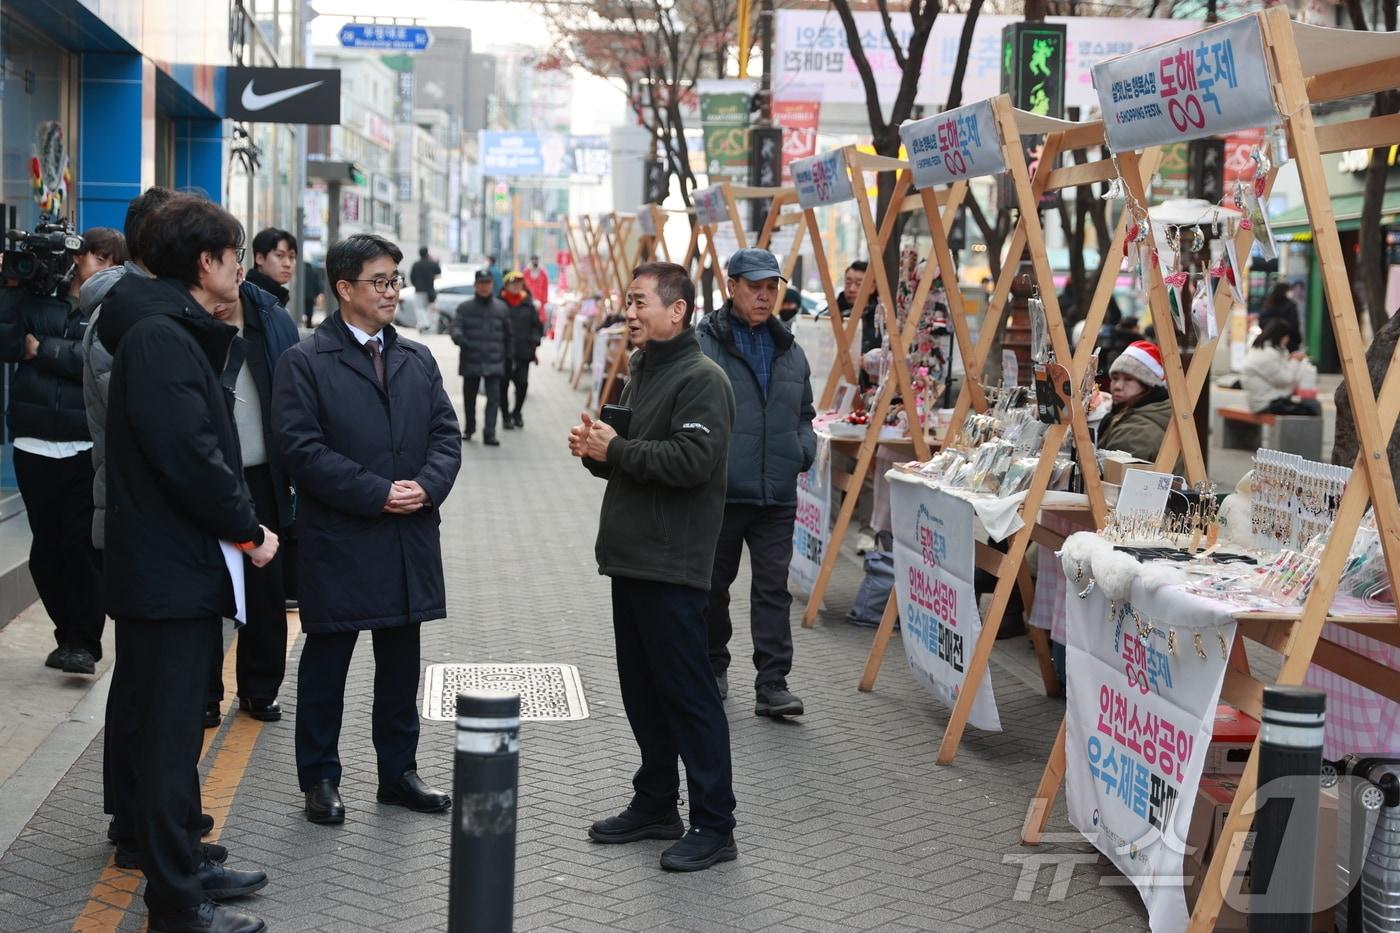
column 283, row 95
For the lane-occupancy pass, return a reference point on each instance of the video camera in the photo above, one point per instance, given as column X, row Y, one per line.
column 39, row 261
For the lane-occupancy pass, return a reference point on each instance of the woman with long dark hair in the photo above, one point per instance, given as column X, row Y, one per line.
column 1270, row 374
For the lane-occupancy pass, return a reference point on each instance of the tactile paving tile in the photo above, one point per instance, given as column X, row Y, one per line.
column 548, row 692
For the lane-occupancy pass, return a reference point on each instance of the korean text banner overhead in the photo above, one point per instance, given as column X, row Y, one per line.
column 549, row 155
column 1206, row 84
column 956, row 144
column 822, row 179
column 710, row 207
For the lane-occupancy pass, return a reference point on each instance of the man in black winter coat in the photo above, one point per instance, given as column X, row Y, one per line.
column 368, row 434
column 773, row 442
column 526, row 332
column 178, row 513
column 274, row 261
column 481, row 328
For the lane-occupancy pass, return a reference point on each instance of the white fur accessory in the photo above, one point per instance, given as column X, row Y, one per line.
column 1087, row 557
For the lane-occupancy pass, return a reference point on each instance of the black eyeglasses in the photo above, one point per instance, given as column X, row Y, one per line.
column 237, row 253
column 382, row 284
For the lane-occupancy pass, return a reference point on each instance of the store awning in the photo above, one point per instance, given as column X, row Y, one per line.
column 1346, row 208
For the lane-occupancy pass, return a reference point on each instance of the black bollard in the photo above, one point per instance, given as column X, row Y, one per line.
column 1285, row 822
column 487, row 771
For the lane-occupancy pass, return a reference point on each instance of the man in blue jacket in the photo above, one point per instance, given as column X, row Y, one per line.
column 772, row 444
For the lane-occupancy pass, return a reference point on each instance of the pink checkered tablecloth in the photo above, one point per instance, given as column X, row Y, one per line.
column 1050, row 583
column 1359, row 721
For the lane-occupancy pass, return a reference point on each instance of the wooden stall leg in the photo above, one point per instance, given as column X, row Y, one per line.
column 1046, row 794
column 881, row 643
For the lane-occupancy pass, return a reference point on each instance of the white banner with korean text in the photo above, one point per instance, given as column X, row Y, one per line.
column 710, row 206
column 1141, row 705
column 957, row 144
column 933, row 577
column 1209, row 83
column 812, row 529
column 822, row 179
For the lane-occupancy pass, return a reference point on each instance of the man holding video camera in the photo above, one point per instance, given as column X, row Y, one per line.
column 53, row 463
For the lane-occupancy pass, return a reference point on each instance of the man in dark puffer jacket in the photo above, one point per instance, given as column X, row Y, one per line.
column 772, row 443
column 481, row 328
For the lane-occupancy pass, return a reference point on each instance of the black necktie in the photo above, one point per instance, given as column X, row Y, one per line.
column 376, row 353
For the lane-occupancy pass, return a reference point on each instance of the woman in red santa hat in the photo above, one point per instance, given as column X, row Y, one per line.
column 1141, row 408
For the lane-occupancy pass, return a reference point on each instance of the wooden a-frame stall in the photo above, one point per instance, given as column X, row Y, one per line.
column 947, row 199
column 1305, row 65
column 1009, row 567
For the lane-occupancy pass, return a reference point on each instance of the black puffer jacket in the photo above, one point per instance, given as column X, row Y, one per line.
column 46, row 398
column 481, row 328
column 174, row 483
column 773, row 440
column 526, row 329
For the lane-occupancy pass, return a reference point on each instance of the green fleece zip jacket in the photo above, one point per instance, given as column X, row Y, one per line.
column 667, row 480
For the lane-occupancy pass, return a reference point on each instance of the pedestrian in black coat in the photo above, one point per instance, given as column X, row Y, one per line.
column 176, row 510
column 526, row 332
column 481, row 328
column 368, row 434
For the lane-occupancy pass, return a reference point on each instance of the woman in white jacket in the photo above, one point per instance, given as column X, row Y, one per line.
column 1270, row 374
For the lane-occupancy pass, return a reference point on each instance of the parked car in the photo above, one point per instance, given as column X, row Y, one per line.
column 453, row 287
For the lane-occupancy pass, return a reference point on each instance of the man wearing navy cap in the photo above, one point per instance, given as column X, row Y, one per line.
column 771, row 444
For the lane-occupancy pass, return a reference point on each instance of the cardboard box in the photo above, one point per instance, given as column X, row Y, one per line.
column 1208, row 820
column 1113, row 469
column 1231, row 741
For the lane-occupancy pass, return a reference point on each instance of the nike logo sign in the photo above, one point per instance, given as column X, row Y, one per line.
column 252, row 100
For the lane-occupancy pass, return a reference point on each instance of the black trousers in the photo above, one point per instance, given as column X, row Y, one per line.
column 261, row 643
column 66, row 568
column 767, row 530
column 672, row 701
column 154, row 732
column 325, row 660
column 1288, row 406
column 517, row 374
column 492, row 389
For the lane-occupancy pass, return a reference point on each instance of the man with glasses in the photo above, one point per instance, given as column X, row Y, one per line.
column 367, row 431
column 176, row 505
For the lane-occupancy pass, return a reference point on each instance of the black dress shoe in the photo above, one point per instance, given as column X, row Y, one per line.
column 410, row 791
column 221, row 882
column 323, row 804
column 212, row 717
column 261, row 710
column 206, row 825
column 631, row 825
column 508, row 423
column 79, row 661
column 206, row 918
column 56, row 658
column 127, row 858
column 490, row 442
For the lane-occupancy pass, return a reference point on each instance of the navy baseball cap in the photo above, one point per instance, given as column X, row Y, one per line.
column 756, row 265
column 483, row 276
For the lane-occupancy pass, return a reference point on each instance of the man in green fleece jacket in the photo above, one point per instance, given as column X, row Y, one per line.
column 660, row 521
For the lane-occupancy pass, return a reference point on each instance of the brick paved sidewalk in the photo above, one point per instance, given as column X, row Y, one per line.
column 845, row 822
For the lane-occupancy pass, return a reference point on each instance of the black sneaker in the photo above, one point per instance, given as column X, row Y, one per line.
column 699, row 849
column 631, row 825
column 775, row 700
column 79, row 661
column 490, row 442
column 722, row 681
column 207, row 916
column 519, row 421
column 467, row 436
column 56, row 658
column 508, row 423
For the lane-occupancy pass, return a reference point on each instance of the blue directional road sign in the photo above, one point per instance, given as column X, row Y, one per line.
column 385, row 38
